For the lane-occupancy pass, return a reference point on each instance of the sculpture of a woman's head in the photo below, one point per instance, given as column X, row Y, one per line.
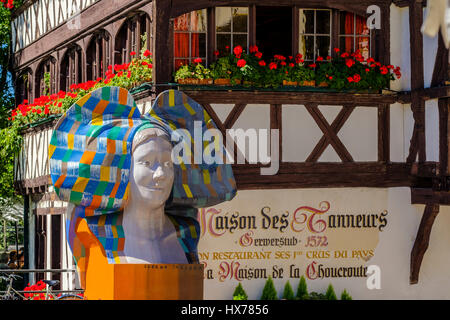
column 105, row 157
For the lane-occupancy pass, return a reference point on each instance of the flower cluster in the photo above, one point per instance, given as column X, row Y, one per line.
column 9, row 4
column 193, row 70
column 344, row 71
column 40, row 286
column 127, row 75
column 353, row 71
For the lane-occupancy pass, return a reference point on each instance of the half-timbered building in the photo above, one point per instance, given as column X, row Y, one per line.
column 397, row 141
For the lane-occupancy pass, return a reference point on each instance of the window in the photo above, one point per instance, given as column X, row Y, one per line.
column 46, row 78
column 190, row 37
column 97, row 56
column 23, row 86
column 70, row 69
column 133, row 36
column 231, row 28
column 314, row 33
column 354, row 34
column 274, row 30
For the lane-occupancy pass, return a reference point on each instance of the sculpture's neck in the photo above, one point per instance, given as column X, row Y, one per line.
column 145, row 223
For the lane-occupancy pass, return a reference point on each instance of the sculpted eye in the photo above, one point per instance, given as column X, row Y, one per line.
column 168, row 164
column 145, row 163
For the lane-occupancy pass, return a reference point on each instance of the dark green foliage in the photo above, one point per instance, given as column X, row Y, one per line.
column 269, row 291
column 315, row 296
column 345, row 295
column 288, row 293
column 330, row 294
column 302, row 289
column 240, row 292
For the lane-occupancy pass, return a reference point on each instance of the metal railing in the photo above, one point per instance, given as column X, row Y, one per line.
column 25, row 271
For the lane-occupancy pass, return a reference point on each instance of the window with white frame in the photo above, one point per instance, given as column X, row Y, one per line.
column 190, row 31
column 231, row 28
column 314, row 33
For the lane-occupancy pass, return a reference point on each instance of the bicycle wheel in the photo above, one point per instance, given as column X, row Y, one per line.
column 69, row 297
column 10, row 297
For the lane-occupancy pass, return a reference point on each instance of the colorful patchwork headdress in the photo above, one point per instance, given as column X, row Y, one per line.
column 90, row 161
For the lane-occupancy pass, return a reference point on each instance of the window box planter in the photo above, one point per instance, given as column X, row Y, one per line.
column 226, row 82
column 206, row 81
column 311, row 83
column 290, row 83
column 188, row 81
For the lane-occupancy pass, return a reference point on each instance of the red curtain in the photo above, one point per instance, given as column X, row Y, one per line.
column 349, row 30
column 185, row 23
column 361, row 29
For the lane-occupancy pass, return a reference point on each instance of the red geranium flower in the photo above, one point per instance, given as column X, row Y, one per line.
column 384, row 70
column 272, row 65
column 258, row 55
column 216, row 53
column 313, row 65
column 253, row 49
column 319, row 59
column 241, row 63
column 357, row 78
column 349, row 62
column 147, row 53
column 237, row 50
column 337, row 50
column 350, row 79
column 132, row 53
column 198, row 60
column 262, row 63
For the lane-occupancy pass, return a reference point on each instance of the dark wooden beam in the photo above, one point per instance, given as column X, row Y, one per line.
column 234, row 115
column 384, row 133
column 272, row 97
column 418, row 142
column 336, row 126
column 325, row 175
column 162, row 44
column 182, row 6
column 425, row 94
column 422, row 240
column 276, row 122
column 443, row 105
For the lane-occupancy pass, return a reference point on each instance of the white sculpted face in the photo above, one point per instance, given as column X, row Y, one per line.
column 150, row 236
column 152, row 173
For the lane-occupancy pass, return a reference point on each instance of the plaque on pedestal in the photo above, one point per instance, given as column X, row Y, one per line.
column 146, row 282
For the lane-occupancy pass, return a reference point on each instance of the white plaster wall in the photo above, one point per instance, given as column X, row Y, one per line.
column 300, row 133
column 400, row 46
column 392, row 254
column 360, row 134
column 432, row 130
column 397, row 145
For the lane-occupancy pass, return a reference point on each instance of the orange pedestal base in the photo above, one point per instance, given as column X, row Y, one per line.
column 146, row 282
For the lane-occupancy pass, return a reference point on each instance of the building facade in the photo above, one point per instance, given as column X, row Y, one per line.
column 393, row 145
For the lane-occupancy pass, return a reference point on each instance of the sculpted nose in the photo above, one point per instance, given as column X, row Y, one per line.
column 159, row 174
